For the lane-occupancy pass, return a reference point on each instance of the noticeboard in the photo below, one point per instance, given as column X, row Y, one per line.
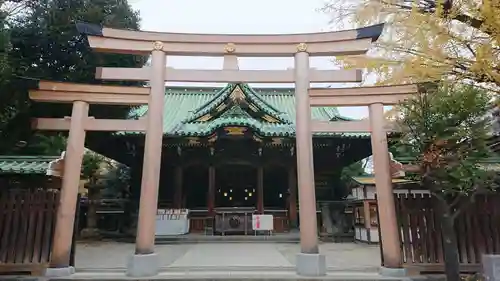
column 262, row 222
column 172, row 222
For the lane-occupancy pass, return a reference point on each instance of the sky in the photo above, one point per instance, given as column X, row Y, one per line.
column 243, row 17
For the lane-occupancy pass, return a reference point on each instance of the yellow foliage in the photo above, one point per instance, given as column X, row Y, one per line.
column 427, row 40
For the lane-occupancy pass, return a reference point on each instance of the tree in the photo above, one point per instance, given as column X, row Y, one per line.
column 4, row 60
column 44, row 44
column 428, row 40
column 92, row 166
column 448, row 127
column 117, row 181
column 353, row 170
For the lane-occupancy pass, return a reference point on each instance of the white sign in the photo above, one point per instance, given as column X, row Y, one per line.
column 262, row 222
column 171, row 214
column 172, row 222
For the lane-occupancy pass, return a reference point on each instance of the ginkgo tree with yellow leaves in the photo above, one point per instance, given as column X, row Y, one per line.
column 427, row 40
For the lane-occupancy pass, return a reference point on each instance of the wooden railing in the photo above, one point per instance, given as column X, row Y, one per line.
column 281, row 224
column 477, row 230
column 200, row 221
column 27, row 219
column 280, row 220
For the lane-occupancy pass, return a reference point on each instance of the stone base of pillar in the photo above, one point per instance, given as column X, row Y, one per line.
column 392, row 272
column 59, row 271
column 143, row 265
column 311, row 264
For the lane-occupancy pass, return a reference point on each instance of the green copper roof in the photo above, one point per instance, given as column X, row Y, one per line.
column 25, row 164
column 270, row 112
column 248, row 94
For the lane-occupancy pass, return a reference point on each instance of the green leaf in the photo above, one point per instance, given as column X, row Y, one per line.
column 448, row 127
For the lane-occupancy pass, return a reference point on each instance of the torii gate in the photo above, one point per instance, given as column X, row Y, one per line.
column 80, row 95
column 375, row 98
column 145, row 262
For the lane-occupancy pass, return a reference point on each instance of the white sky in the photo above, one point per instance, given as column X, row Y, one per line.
column 238, row 16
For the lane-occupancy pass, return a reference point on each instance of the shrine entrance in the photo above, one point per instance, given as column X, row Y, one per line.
column 236, row 185
column 289, row 131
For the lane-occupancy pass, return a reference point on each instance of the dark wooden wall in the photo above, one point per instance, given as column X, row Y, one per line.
column 477, row 230
column 27, row 220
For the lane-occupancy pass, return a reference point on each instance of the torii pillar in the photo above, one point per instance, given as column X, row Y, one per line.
column 309, row 261
column 145, row 262
column 63, row 231
column 389, row 231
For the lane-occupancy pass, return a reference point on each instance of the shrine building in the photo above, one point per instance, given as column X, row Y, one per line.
column 233, row 149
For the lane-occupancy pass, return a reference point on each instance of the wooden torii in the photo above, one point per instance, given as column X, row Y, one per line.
column 375, row 98
column 80, row 96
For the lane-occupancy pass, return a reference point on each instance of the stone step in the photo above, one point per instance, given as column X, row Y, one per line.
column 184, row 269
column 211, row 275
column 227, row 239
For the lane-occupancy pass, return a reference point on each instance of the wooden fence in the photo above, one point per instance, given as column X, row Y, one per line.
column 27, row 219
column 477, row 230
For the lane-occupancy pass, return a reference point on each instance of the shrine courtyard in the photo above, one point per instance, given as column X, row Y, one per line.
column 108, row 259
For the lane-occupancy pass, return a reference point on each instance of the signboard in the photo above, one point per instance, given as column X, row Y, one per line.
column 172, row 222
column 171, row 214
column 262, row 222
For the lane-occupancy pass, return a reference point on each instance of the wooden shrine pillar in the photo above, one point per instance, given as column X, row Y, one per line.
column 66, row 210
column 391, row 252
column 178, row 184
column 211, row 191
column 148, row 206
column 260, row 189
column 292, row 197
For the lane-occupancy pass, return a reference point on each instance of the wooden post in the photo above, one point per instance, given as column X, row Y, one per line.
column 292, row 199
column 75, row 232
column 152, row 156
column 178, row 187
column 211, row 190
column 366, row 214
column 260, row 190
column 63, row 232
column 385, row 202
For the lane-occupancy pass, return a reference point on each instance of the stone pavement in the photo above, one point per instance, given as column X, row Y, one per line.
column 230, row 276
column 277, row 257
column 225, row 261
